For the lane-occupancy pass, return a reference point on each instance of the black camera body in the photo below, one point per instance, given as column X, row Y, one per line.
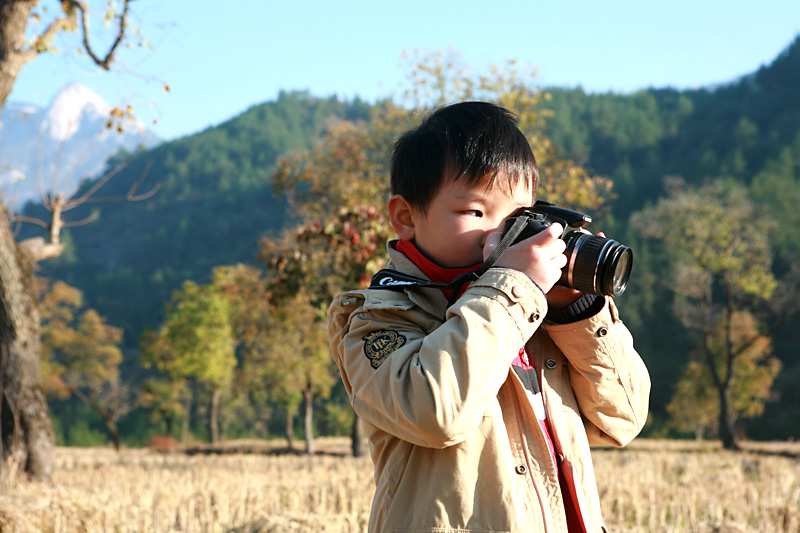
column 595, row 265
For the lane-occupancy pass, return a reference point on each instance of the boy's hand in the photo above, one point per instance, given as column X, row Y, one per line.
column 541, row 257
column 563, row 296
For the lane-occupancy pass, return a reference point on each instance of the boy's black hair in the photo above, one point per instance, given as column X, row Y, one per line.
column 474, row 141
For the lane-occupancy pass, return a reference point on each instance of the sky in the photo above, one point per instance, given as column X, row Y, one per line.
column 219, row 61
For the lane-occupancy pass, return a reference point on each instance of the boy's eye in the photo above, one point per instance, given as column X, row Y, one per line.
column 474, row 213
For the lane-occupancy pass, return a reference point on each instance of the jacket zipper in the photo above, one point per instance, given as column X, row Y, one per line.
column 542, row 504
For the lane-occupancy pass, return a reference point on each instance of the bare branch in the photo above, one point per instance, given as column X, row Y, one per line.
column 88, row 220
column 131, row 195
column 59, row 204
column 28, row 220
column 93, row 189
column 38, row 250
column 56, row 26
column 105, row 62
column 45, row 38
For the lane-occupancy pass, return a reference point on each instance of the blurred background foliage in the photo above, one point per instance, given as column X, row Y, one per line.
column 269, row 214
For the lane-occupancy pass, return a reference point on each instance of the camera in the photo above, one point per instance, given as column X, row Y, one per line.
column 595, row 264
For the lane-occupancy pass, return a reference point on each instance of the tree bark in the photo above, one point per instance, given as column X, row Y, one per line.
column 26, row 426
column 213, row 415
column 33, row 436
column 185, row 423
column 13, row 56
column 108, row 415
column 289, row 431
column 308, row 420
column 726, row 426
column 168, row 421
column 113, row 431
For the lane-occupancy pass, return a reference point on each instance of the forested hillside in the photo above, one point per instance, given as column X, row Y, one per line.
column 214, row 204
column 216, row 201
column 733, row 130
column 746, row 132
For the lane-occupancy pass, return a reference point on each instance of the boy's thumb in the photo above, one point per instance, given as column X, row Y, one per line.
column 492, row 240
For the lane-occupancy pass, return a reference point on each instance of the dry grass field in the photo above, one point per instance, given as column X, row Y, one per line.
column 652, row 486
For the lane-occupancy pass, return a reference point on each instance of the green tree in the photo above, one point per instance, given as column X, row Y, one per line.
column 166, row 399
column 298, row 360
column 283, row 345
column 259, row 384
column 81, row 355
column 695, row 405
column 777, row 187
column 341, row 239
column 720, row 265
column 340, row 186
column 436, row 79
column 196, row 342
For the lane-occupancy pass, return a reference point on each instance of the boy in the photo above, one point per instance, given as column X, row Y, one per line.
column 480, row 415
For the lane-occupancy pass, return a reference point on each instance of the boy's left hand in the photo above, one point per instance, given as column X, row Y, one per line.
column 560, row 296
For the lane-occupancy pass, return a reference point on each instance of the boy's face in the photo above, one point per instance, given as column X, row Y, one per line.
column 453, row 230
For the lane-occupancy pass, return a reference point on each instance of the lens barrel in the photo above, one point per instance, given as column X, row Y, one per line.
column 595, row 264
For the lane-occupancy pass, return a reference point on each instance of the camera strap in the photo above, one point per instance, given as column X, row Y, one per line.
column 398, row 281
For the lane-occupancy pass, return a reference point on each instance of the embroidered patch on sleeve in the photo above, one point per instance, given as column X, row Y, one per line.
column 379, row 344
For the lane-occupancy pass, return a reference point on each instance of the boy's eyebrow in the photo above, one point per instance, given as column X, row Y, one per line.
column 473, row 193
column 470, row 196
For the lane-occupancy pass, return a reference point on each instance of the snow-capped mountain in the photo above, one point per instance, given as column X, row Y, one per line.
column 57, row 147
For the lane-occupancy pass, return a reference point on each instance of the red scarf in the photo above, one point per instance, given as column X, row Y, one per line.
column 436, row 273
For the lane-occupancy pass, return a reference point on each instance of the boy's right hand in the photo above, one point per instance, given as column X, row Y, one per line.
column 541, row 257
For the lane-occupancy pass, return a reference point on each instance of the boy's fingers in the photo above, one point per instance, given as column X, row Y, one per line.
column 554, row 230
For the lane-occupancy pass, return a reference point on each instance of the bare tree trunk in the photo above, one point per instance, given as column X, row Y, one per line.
column 308, row 420
column 213, row 415
column 168, row 421
column 113, row 432
column 14, row 16
column 185, row 429
column 726, row 429
column 726, row 426
column 21, row 350
column 289, row 432
column 24, row 409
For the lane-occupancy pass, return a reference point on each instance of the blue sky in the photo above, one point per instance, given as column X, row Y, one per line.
column 220, row 61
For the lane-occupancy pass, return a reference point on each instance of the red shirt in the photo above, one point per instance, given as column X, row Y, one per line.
column 436, row 273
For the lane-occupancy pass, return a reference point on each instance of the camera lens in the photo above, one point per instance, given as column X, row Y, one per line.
column 621, row 261
column 595, row 264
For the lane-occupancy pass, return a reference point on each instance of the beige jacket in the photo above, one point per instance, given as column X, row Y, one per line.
column 454, row 439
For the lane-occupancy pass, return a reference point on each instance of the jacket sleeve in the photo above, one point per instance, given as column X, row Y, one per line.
column 609, row 378
column 426, row 381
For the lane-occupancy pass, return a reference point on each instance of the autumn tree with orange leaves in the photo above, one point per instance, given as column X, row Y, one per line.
column 339, row 188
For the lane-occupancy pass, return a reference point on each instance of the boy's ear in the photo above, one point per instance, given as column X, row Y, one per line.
column 402, row 217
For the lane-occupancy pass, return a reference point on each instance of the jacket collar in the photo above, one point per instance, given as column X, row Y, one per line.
column 431, row 300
